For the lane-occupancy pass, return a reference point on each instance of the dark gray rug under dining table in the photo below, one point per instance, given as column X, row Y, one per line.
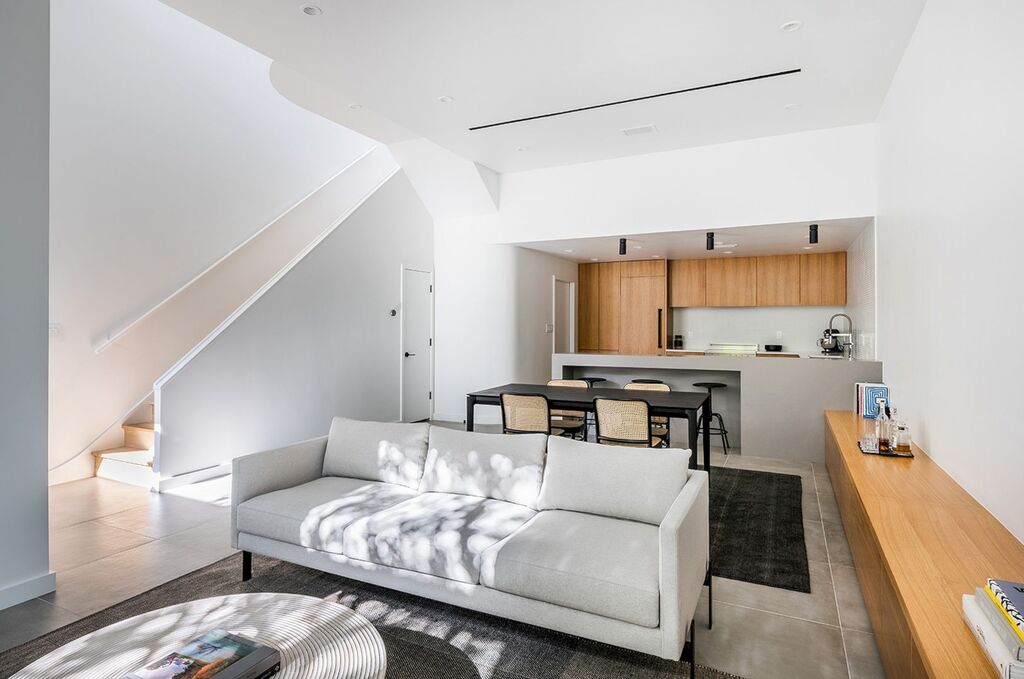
column 757, row 528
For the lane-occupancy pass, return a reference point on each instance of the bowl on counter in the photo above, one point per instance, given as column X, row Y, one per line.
column 773, row 347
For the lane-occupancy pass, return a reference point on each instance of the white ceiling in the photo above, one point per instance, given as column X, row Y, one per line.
column 506, row 60
column 834, row 235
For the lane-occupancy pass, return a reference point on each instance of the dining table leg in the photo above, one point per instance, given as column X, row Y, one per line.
column 470, row 407
column 691, row 436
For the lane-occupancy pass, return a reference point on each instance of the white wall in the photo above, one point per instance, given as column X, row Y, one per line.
column 823, row 174
column 950, row 236
column 800, row 326
column 861, row 288
column 492, row 302
column 170, row 147
column 24, row 138
column 319, row 343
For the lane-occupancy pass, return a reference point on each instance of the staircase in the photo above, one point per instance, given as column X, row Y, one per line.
column 132, row 462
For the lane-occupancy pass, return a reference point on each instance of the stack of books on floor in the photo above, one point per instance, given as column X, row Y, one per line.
column 995, row 615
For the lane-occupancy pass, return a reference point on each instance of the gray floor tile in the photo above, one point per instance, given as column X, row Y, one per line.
column 818, row 606
column 89, row 499
column 829, row 509
column 82, row 543
column 814, row 538
column 852, row 613
column 862, row 654
column 809, row 505
column 838, row 547
column 165, row 515
column 30, row 619
column 759, row 645
column 102, row 583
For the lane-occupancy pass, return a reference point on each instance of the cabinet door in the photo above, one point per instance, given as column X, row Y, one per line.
column 687, row 279
column 823, row 279
column 587, row 308
column 778, row 280
column 608, row 274
column 642, row 321
column 732, row 281
column 643, row 267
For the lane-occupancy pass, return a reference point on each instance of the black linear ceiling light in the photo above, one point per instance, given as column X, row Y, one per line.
column 711, row 240
column 622, row 246
column 813, row 235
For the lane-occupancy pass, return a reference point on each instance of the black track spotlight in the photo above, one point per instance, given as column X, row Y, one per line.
column 622, row 246
column 711, row 240
column 813, row 235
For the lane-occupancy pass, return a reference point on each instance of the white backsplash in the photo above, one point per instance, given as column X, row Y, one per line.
column 800, row 326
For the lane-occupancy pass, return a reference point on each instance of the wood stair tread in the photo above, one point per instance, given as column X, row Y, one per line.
column 146, row 426
column 126, row 454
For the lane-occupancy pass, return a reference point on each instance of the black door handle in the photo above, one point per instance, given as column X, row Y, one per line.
column 407, row 354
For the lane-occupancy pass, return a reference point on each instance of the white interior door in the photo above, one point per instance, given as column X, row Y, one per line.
column 563, row 317
column 417, row 344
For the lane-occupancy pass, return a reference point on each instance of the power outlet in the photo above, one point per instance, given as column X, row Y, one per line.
column 778, row 334
column 549, row 328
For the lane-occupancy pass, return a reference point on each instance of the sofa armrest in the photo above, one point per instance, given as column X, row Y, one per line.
column 277, row 469
column 684, row 537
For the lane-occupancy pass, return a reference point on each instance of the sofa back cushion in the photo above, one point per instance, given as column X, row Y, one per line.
column 497, row 466
column 638, row 484
column 376, row 451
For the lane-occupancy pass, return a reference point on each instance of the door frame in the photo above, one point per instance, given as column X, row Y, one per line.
column 555, row 280
column 401, row 341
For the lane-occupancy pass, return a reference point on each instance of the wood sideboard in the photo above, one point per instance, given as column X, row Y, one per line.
column 919, row 542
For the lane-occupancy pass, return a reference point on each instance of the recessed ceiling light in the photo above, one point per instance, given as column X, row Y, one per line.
column 638, row 247
column 642, row 129
column 791, row 107
column 445, row 99
column 312, row 10
column 719, row 244
column 791, row 26
column 522, row 148
column 728, row 252
column 566, row 250
column 355, row 107
column 594, row 259
column 654, row 256
column 808, row 247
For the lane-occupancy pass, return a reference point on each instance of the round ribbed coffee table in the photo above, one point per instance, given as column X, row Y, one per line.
column 317, row 639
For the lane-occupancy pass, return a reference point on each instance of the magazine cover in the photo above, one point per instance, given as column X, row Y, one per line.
column 207, row 656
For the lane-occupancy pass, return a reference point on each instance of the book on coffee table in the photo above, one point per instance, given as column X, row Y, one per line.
column 217, row 654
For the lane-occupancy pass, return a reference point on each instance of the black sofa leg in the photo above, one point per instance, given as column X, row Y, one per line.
column 246, row 566
column 689, row 652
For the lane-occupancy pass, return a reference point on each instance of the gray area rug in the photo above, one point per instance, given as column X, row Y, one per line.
column 757, row 528
column 424, row 639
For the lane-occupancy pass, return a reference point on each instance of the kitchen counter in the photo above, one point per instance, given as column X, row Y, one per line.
column 772, row 408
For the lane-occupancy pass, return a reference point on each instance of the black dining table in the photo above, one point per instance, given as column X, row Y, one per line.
column 679, row 404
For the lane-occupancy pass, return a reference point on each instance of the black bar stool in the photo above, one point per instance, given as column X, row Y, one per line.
column 644, row 380
column 592, row 380
column 720, row 430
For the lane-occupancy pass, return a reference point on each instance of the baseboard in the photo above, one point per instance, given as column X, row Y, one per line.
column 19, row 592
column 189, row 478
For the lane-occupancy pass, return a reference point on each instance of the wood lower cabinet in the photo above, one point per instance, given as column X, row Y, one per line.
column 731, row 281
column 823, row 279
column 778, row 280
column 643, row 315
column 687, row 280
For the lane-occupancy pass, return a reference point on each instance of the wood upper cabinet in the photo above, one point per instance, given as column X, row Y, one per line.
column 643, row 315
column 687, row 283
column 608, row 286
column 647, row 267
column 588, row 301
column 731, row 281
column 778, row 280
column 823, row 279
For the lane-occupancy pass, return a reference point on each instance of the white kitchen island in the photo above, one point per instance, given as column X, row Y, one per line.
column 773, row 406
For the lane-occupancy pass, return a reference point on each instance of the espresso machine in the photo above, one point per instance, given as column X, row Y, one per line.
column 835, row 344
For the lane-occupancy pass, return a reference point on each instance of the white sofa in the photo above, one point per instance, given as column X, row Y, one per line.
column 603, row 542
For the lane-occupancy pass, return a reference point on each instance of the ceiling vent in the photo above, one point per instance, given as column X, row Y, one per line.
column 643, row 129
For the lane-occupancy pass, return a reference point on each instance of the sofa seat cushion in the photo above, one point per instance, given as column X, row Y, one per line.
column 495, row 466
column 440, row 534
column 316, row 514
column 590, row 563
